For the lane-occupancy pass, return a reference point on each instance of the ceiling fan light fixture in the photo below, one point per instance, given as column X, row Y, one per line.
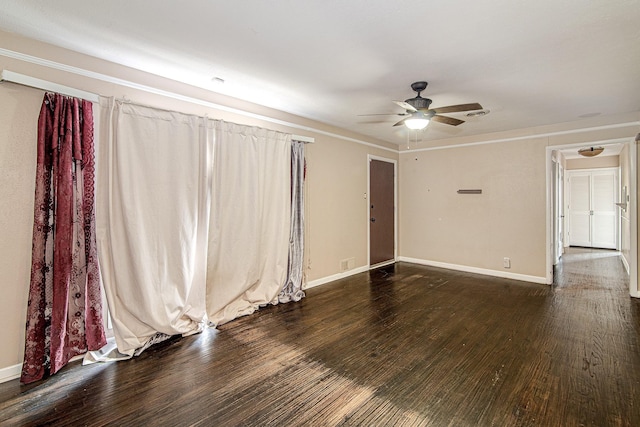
column 416, row 121
column 590, row 151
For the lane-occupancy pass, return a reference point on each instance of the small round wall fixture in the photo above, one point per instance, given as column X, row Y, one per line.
column 590, row 151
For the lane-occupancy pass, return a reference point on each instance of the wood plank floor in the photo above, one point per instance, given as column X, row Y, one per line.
column 402, row 345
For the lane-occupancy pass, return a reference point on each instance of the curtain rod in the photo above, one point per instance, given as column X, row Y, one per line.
column 305, row 139
column 13, row 77
column 21, row 79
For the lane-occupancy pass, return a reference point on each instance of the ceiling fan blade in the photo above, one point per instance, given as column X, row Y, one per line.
column 405, row 105
column 457, row 108
column 373, row 122
column 447, row 120
column 384, row 114
column 401, row 122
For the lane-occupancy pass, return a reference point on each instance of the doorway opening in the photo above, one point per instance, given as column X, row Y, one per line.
column 558, row 240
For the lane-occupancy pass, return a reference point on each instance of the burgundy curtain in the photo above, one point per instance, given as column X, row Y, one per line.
column 64, row 315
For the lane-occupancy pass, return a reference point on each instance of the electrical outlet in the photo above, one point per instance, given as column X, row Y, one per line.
column 347, row 264
column 506, row 262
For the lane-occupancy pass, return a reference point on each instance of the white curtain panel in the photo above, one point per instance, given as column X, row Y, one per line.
column 152, row 216
column 249, row 222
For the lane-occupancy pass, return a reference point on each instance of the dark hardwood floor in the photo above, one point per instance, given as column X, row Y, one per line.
column 402, row 345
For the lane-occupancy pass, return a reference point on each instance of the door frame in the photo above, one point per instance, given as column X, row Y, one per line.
column 633, row 208
column 559, row 224
column 395, row 209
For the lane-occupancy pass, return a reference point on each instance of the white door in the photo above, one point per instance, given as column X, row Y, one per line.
column 580, row 209
column 604, row 211
column 592, row 209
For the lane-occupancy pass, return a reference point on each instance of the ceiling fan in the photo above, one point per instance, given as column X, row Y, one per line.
column 419, row 114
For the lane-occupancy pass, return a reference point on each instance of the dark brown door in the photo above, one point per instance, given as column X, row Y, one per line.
column 381, row 211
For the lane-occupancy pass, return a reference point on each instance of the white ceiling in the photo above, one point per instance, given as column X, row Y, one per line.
column 530, row 63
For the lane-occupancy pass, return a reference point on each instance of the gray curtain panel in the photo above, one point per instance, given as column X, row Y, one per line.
column 292, row 290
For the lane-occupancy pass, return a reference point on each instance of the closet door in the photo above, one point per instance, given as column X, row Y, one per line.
column 603, row 218
column 592, row 210
column 580, row 209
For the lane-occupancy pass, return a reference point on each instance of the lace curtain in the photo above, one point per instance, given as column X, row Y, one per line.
column 64, row 315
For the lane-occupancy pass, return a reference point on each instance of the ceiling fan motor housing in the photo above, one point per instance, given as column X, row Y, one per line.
column 419, row 86
column 419, row 103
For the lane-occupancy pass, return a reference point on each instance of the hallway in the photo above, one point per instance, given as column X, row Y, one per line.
column 590, row 269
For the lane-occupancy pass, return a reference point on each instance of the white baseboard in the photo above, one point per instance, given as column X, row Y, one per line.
column 476, row 270
column 10, row 373
column 323, row 280
column 382, row 264
column 457, row 267
column 13, row 372
column 625, row 263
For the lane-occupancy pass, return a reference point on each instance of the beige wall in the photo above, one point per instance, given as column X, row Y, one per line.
column 438, row 226
column 19, row 108
column 593, row 162
column 506, row 220
column 475, row 232
column 336, row 175
column 337, row 210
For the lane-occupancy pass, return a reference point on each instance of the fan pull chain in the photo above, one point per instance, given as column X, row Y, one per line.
column 415, row 132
